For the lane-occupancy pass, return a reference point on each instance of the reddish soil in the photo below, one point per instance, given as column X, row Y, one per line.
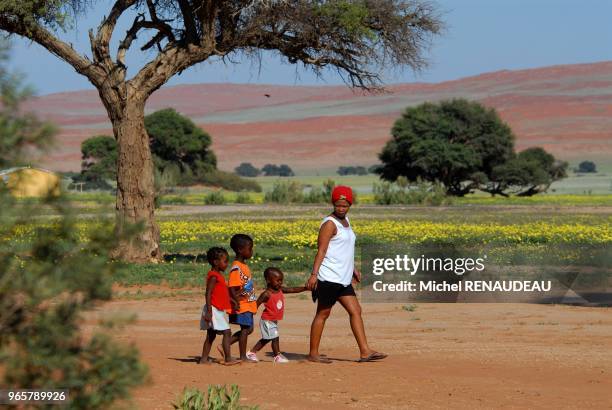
column 566, row 109
column 440, row 356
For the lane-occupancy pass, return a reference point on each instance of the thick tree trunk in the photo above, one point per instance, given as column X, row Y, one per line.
column 135, row 183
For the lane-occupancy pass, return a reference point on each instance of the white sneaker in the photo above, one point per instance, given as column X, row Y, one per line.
column 252, row 356
column 279, row 358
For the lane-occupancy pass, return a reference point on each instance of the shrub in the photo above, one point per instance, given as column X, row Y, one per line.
column 45, row 287
column 284, row 192
column 171, row 200
column 243, row 198
column 315, row 195
column 164, row 180
column 230, row 182
column 217, row 398
column 421, row 193
column 214, row 198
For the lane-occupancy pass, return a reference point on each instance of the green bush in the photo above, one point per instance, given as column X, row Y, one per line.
column 400, row 192
column 284, row 192
column 230, row 182
column 315, row 195
column 172, row 200
column 322, row 195
column 215, row 198
column 45, row 287
column 217, row 398
column 243, row 198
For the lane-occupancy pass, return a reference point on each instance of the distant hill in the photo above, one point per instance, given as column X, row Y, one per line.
column 566, row 109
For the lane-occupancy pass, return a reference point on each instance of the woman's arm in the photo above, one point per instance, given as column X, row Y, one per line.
column 327, row 231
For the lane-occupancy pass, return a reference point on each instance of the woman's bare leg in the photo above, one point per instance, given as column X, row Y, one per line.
column 351, row 305
column 316, row 330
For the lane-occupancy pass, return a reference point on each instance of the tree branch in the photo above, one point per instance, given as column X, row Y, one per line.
column 191, row 32
column 57, row 47
column 100, row 45
column 140, row 23
column 173, row 59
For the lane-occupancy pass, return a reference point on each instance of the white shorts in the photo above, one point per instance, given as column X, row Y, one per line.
column 219, row 320
column 268, row 328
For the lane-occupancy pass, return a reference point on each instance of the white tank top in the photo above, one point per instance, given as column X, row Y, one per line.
column 339, row 261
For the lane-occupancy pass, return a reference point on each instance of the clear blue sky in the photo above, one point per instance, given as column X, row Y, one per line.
column 481, row 36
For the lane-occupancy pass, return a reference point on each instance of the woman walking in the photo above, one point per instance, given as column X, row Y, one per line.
column 332, row 274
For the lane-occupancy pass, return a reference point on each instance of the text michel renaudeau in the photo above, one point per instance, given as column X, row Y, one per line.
column 459, row 266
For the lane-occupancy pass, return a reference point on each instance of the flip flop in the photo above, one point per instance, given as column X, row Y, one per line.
column 233, row 362
column 373, row 357
column 319, row 359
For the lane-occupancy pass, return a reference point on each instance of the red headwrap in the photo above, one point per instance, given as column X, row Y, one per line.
column 342, row 192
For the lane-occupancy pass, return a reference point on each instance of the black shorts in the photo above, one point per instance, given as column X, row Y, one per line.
column 328, row 292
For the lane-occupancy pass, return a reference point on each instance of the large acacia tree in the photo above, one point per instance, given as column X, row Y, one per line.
column 358, row 38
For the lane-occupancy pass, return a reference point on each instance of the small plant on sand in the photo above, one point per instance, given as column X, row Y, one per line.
column 217, row 398
column 409, row 308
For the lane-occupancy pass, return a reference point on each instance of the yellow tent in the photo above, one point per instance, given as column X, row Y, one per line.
column 30, row 182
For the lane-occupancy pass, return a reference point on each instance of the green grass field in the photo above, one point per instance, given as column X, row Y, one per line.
column 285, row 236
column 577, row 210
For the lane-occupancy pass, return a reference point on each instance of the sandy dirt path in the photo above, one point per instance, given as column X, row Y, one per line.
column 440, row 356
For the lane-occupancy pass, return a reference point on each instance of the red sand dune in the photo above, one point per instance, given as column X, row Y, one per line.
column 566, row 109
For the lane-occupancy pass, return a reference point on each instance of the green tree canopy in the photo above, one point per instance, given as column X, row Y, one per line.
column 246, row 169
column 586, row 167
column 176, row 140
column 455, row 143
column 181, row 153
column 19, row 131
column 531, row 171
column 99, row 155
column 273, row 170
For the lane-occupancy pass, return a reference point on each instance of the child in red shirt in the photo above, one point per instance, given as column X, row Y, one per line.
column 214, row 318
column 273, row 300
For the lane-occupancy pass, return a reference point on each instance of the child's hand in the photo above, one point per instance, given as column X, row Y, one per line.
column 235, row 305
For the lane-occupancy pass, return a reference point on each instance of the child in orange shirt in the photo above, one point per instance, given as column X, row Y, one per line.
column 242, row 291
